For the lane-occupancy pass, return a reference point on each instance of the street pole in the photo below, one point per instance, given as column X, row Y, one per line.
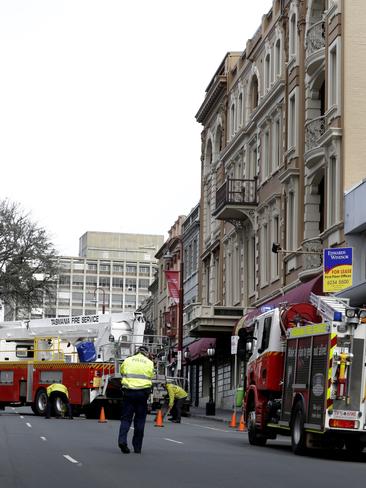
column 180, row 312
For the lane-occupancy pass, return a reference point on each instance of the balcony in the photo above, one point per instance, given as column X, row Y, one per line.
column 211, row 320
column 314, row 130
column 315, row 47
column 312, row 263
column 235, row 198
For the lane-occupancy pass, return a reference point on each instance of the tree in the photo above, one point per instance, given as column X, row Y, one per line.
column 28, row 264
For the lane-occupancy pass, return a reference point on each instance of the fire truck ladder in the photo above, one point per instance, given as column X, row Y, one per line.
column 327, row 305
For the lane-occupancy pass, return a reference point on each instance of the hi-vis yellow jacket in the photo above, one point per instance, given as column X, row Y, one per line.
column 57, row 387
column 175, row 392
column 137, row 372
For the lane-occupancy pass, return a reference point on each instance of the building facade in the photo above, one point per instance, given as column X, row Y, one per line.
column 281, row 142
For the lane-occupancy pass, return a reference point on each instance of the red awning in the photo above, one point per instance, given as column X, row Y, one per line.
column 199, row 348
column 299, row 294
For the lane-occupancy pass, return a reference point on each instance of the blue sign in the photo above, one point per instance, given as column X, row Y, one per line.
column 266, row 308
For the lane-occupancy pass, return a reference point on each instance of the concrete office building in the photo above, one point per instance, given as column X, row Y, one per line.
column 112, row 273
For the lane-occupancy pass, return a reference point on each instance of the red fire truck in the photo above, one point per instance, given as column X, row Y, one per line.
column 305, row 376
column 37, row 353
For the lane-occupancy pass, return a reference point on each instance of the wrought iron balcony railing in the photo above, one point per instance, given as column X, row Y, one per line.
column 237, row 192
column 314, row 129
column 315, row 38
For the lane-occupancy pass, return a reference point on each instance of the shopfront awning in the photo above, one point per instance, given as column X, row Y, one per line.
column 298, row 294
column 199, row 348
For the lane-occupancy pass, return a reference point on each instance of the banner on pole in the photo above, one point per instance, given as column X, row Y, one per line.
column 172, row 278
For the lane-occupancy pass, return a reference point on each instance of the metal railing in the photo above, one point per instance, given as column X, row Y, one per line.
column 315, row 38
column 237, row 191
column 314, row 129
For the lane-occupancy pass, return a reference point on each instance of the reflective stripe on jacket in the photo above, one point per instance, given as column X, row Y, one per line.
column 57, row 387
column 137, row 372
column 175, row 392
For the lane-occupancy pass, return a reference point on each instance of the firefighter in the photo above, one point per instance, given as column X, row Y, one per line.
column 176, row 400
column 137, row 372
column 54, row 391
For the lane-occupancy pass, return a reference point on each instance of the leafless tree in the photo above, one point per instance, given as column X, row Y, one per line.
column 28, row 265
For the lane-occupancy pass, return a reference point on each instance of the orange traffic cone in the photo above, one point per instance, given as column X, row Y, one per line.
column 233, row 420
column 102, row 419
column 159, row 419
column 241, row 424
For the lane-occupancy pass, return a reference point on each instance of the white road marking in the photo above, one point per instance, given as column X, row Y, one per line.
column 172, row 440
column 209, row 428
column 21, row 417
column 69, row 458
column 43, row 438
column 28, row 425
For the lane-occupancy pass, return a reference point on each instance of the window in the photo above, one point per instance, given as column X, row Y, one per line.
column 267, row 72
column 276, row 144
column 91, row 281
column 236, row 275
column 333, row 76
column 143, row 283
column 117, row 283
column 240, row 110
column 254, row 93
column 78, row 280
column 277, row 59
column 144, row 270
column 131, row 269
column 291, row 221
column 293, row 35
column 232, row 119
column 265, row 334
column 251, row 265
column 117, row 268
column 104, row 281
column 333, row 194
column 266, row 155
column 275, row 238
column 104, row 268
column 92, row 267
column 264, row 255
column 292, row 122
column 64, row 280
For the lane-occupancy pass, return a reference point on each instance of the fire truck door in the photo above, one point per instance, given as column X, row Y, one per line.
column 30, row 383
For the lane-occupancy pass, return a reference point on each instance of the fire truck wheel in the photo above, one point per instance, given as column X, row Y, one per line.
column 298, row 434
column 40, row 402
column 255, row 438
column 59, row 407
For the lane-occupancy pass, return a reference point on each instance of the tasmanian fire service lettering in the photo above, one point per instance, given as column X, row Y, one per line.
column 81, row 319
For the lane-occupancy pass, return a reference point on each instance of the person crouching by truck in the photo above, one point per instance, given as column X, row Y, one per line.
column 54, row 391
column 176, row 400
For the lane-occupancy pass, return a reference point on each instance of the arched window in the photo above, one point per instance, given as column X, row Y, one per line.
column 254, row 93
column 240, row 110
column 267, row 71
column 232, row 120
column 208, row 155
column 293, row 35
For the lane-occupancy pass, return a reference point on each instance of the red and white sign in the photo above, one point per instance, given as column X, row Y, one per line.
column 172, row 278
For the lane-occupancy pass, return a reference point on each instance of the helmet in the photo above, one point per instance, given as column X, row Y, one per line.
column 143, row 350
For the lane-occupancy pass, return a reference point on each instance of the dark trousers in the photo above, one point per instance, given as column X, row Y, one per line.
column 51, row 400
column 176, row 411
column 134, row 407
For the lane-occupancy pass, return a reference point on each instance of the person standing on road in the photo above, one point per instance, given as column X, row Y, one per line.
column 176, row 400
column 54, row 391
column 137, row 372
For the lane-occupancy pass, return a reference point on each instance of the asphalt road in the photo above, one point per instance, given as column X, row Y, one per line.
column 38, row 453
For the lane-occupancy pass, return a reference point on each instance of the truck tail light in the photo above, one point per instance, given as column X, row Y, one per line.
column 343, row 424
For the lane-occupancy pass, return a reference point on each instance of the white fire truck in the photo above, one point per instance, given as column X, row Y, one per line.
column 82, row 352
column 306, row 375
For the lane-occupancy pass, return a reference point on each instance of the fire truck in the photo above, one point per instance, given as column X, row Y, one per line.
column 82, row 352
column 305, row 375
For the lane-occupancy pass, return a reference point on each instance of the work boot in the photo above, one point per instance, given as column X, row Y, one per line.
column 124, row 448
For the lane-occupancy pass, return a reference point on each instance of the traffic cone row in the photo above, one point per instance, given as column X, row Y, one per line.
column 159, row 419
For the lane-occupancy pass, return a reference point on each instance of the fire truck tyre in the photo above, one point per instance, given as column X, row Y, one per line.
column 298, row 434
column 255, row 438
column 40, row 403
column 354, row 446
column 59, row 406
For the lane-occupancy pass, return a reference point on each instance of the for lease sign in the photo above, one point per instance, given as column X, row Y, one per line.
column 337, row 269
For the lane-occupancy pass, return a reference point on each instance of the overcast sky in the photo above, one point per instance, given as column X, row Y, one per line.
column 97, row 108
